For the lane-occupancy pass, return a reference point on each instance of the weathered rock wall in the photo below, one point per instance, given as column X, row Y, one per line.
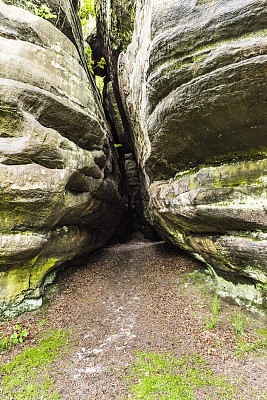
column 58, row 173
column 61, row 13
column 193, row 83
column 115, row 23
column 115, row 20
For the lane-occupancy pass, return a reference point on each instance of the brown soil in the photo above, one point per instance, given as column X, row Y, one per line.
column 137, row 296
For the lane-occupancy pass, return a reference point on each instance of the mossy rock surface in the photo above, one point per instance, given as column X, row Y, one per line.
column 194, row 90
column 59, row 177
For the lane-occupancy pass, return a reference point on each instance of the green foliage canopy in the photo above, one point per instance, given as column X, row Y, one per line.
column 86, row 11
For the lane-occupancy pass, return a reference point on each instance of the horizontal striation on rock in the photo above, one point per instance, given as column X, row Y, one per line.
column 193, row 83
column 215, row 199
column 59, row 177
column 180, row 28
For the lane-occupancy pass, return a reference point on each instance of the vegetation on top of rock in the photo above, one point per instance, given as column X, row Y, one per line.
column 42, row 11
column 87, row 16
column 86, row 10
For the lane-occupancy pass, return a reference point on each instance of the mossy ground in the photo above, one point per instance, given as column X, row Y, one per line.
column 139, row 311
column 161, row 376
column 26, row 376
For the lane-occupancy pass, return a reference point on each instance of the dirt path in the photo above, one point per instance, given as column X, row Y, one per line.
column 138, row 296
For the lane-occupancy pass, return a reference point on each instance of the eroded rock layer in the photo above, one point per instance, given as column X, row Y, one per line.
column 194, row 87
column 58, row 175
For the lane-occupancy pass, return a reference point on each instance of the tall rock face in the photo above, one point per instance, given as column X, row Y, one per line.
column 58, row 173
column 194, row 87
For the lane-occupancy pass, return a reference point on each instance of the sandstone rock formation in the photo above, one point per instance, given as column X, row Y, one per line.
column 193, row 84
column 190, row 90
column 58, row 173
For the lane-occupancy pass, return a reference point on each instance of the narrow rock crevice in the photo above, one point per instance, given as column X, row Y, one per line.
column 177, row 152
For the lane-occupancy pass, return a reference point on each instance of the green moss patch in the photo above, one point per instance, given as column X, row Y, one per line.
column 27, row 377
column 161, row 376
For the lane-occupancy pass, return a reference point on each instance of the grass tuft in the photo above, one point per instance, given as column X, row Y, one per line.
column 215, row 310
column 238, row 324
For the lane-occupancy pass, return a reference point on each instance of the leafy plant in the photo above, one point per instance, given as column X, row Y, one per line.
column 87, row 16
column 88, row 56
column 215, row 310
column 86, row 10
column 92, row 64
column 5, row 343
column 17, row 336
column 45, row 12
column 101, row 64
column 42, row 11
column 245, row 344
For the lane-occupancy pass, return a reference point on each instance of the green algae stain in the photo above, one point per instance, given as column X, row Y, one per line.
column 40, row 269
column 246, row 173
column 249, row 155
column 13, row 216
column 262, row 332
column 253, row 35
column 14, row 279
column 171, row 195
column 21, row 283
